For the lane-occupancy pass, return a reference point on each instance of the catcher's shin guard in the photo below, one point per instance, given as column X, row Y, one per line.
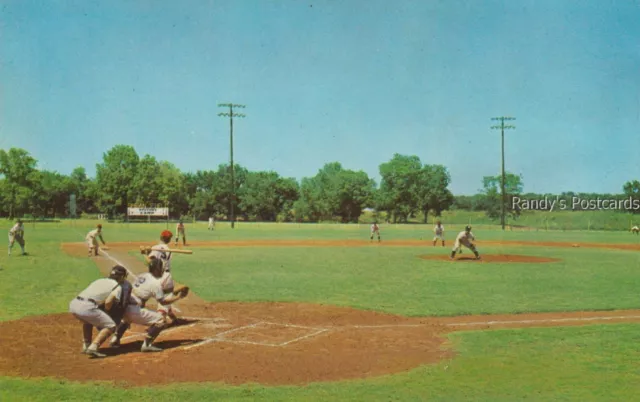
column 153, row 332
column 121, row 329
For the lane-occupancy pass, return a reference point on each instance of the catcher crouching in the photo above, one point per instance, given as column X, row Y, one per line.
column 148, row 286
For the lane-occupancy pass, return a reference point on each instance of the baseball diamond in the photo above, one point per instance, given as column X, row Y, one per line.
column 269, row 343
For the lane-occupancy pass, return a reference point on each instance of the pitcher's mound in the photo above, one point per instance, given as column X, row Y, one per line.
column 490, row 258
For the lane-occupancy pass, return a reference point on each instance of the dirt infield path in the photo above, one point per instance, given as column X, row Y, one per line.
column 268, row 343
column 367, row 243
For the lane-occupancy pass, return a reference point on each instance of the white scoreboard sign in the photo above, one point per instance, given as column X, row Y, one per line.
column 148, row 211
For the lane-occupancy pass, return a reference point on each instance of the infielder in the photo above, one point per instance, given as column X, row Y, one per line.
column 439, row 233
column 166, row 280
column 91, row 307
column 634, row 230
column 16, row 234
column 180, row 231
column 464, row 238
column 212, row 223
column 92, row 240
column 147, row 286
column 375, row 230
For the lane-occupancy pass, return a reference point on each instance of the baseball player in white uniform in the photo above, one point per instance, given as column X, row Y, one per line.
column 464, row 238
column 635, row 229
column 147, row 286
column 16, row 234
column 212, row 223
column 90, row 305
column 180, row 231
column 92, row 240
column 375, row 230
column 167, row 279
column 438, row 230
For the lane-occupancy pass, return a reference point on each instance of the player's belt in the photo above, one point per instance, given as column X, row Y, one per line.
column 90, row 300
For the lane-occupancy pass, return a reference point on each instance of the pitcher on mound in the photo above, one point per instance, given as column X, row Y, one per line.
column 464, row 238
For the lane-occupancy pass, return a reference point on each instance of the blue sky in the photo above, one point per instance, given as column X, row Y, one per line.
column 348, row 81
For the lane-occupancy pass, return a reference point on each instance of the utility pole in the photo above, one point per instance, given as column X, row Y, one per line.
column 231, row 115
column 503, row 127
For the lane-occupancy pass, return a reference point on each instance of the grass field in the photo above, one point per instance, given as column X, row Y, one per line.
column 594, row 362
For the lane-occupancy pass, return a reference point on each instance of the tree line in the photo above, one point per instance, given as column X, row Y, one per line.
column 408, row 189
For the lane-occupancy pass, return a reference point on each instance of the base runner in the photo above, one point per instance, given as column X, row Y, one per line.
column 464, row 238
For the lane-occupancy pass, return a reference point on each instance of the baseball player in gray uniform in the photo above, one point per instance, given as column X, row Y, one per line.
column 16, row 234
column 464, row 238
column 91, row 307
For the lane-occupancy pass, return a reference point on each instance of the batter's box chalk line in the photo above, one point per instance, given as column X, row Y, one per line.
column 220, row 337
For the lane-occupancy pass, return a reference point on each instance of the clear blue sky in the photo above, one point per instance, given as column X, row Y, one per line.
column 323, row 81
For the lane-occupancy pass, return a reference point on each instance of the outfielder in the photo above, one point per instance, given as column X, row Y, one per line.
column 147, row 286
column 212, row 223
column 375, row 230
column 91, row 307
column 167, row 279
column 92, row 242
column 439, row 233
column 16, row 234
column 180, row 231
column 635, row 230
column 464, row 238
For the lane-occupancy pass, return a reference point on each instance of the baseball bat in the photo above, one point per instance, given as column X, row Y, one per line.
column 171, row 250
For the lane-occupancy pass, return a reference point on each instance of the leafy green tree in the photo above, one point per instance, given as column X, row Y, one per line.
column 49, row 193
column 432, row 190
column 401, row 177
column 492, row 190
column 265, row 195
column 79, row 185
column 114, row 177
column 18, row 168
column 632, row 189
column 334, row 191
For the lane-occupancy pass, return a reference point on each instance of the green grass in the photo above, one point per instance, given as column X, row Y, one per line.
column 393, row 279
column 577, row 363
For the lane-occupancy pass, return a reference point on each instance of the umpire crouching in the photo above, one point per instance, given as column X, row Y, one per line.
column 93, row 303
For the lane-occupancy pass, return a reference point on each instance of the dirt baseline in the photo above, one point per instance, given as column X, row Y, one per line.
column 266, row 343
column 490, row 258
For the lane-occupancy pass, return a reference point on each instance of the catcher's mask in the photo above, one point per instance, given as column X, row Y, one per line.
column 155, row 267
column 118, row 273
column 467, row 229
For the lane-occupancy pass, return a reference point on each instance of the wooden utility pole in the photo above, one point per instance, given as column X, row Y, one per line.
column 231, row 115
column 503, row 127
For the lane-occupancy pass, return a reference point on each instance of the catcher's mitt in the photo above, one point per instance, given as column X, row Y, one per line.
column 146, row 250
column 183, row 291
